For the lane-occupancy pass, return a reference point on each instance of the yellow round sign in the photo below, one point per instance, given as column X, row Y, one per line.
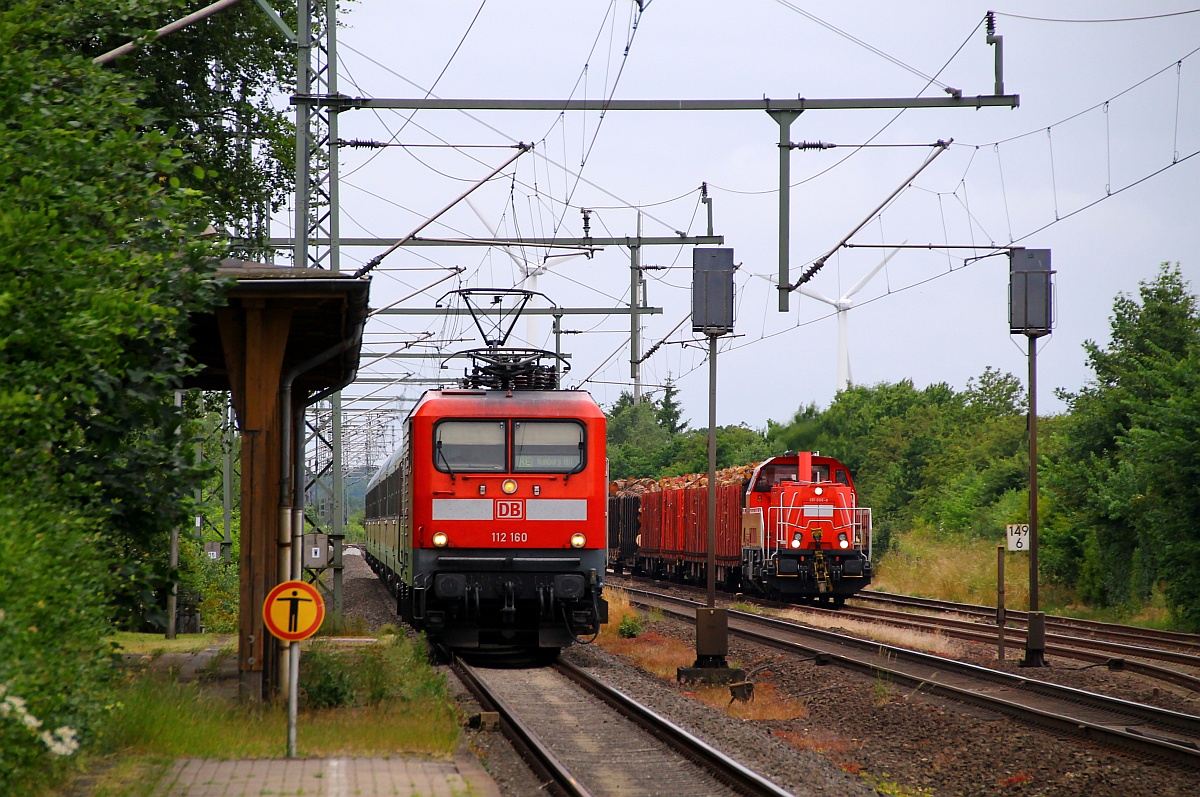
column 293, row 611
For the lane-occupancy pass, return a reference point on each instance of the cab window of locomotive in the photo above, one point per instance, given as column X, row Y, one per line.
column 469, row 447
column 820, row 473
column 841, row 477
column 547, row 447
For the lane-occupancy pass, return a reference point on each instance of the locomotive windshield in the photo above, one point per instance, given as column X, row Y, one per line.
column 547, row 446
column 469, row 447
column 773, row 475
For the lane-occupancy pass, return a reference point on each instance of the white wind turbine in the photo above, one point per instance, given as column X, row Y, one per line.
column 843, row 306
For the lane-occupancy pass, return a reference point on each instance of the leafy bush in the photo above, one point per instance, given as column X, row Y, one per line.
column 326, row 678
column 217, row 584
column 631, row 625
column 393, row 668
column 54, row 661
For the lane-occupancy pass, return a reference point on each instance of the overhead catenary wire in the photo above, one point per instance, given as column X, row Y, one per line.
column 522, row 148
column 1086, row 21
column 436, row 80
column 961, row 193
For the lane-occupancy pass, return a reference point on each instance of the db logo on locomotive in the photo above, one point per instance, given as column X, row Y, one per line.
column 510, row 510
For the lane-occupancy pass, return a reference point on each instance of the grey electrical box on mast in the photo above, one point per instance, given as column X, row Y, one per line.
column 712, row 291
column 1029, row 292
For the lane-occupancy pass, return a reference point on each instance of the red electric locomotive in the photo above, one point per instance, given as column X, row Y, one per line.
column 489, row 522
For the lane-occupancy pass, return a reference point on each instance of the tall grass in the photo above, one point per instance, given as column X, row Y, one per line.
column 927, row 565
column 395, row 702
column 165, row 719
column 961, row 570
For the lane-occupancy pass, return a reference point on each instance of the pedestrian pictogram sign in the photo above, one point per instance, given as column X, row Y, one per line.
column 293, row 611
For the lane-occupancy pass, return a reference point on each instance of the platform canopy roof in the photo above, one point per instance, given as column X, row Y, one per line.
column 327, row 308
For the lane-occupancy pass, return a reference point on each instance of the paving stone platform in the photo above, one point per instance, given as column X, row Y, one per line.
column 329, row 777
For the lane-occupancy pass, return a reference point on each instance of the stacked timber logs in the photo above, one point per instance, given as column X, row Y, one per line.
column 737, row 474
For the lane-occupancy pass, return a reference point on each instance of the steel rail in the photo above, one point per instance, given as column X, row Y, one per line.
column 554, row 774
column 877, row 659
column 722, row 767
column 1073, row 649
column 1111, row 629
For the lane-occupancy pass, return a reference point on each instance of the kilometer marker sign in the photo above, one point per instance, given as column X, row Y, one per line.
column 293, row 611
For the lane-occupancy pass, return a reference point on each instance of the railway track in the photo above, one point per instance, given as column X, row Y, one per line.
column 583, row 738
column 1114, row 646
column 1065, row 626
column 1135, row 727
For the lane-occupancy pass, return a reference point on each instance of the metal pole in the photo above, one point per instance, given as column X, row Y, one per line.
column 1033, row 481
column 300, row 260
column 1035, row 635
column 339, row 487
column 339, row 526
column 635, row 328
column 303, row 112
column 166, row 30
column 785, row 119
column 712, row 471
column 198, row 495
column 293, row 696
column 227, row 485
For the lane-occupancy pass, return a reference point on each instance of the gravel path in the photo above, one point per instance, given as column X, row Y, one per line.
column 861, row 735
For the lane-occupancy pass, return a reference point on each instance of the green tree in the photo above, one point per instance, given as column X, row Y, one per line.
column 1164, row 441
column 98, row 234
column 213, row 87
column 930, row 458
column 1106, row 516
column 670, row 411
column 637, row 445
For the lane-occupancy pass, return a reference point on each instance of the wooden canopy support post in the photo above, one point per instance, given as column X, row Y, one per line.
column 276, row 321
column 256, row 338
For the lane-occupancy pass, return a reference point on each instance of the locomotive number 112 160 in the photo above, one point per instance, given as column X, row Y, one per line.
column 510, row 536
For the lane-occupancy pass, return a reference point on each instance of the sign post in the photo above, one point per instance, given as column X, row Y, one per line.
column 1000, row 618
column 293, row 611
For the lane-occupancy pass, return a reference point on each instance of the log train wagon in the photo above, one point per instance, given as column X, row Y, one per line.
column 488, row 523
column 788, row 529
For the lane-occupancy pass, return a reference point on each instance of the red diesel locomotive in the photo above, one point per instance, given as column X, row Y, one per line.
column 792, row 530
column 489, row 522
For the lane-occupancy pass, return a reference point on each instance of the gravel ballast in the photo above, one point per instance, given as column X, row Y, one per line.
column 859, row 735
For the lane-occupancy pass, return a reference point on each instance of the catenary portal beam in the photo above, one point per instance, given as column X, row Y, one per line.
column 550, row 243
column 344, row 103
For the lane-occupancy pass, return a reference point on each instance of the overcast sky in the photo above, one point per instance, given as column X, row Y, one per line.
column 1103, row 105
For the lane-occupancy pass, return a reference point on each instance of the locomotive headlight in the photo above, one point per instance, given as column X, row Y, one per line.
column 578, row 540
column 818, row 490
column 509, row 486
column 843, row 542
column 796, row 541
column 440, row 539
